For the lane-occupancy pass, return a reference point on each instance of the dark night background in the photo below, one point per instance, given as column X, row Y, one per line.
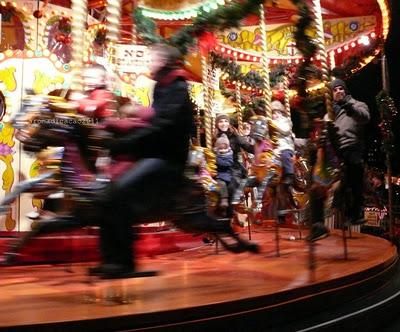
column 367, row 83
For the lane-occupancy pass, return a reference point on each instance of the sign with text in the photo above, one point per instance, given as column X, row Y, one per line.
column 374, row 216
column 132, row 58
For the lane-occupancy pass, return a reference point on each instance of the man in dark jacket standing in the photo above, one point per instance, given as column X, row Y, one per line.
column 351, row 116
column 161, row 150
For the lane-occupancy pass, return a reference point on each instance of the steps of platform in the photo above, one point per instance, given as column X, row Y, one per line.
column 374, row 311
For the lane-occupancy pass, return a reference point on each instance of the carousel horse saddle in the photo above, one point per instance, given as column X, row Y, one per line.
column 190, row 198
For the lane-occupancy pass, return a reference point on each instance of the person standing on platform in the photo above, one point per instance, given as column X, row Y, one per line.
column 351, row 116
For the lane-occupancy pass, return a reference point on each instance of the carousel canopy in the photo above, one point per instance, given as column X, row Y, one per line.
column 352, row 28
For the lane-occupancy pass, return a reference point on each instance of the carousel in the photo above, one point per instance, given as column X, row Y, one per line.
column 241, row 57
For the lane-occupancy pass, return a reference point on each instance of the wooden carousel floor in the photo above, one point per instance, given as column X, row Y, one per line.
column 190, row 284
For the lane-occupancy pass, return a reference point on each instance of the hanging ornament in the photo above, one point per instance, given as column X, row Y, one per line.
column 38, row 14
column 297, row 101
column 278, row 95
column 60, row 38
column 67, row 40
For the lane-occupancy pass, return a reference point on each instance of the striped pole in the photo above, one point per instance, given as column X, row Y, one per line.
column 239, row 108
column 78, row 29
column 134, row 31
column 287, row 91
column 238, row 96
column 198, row 126
column 213, row 85
column 332, row 62
column 86, row 44
column 319, row 26
column 113, row 19
column 207, row 102
column 265, row 67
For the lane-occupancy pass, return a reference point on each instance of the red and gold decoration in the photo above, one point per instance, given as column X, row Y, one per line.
column 58, row 39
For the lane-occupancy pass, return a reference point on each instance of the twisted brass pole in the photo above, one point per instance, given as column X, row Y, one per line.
column 113, row 20
column 321, row 51
column 207, row 102
column 286, row 90
column 265, row 66
column 133, row 30
column 78, row 28
column 198, row 126
column 239, row 105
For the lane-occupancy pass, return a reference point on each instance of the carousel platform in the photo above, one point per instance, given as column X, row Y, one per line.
column 200, row 288
column 82, row 245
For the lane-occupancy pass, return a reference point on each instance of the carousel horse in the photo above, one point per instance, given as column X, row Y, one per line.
column 264, row 186
column 327, row 185
column 57, row 125
column 201, row 168
column 48, row 160
column 263, row 171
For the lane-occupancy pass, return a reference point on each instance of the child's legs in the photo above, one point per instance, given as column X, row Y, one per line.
column 287, row 162
column 223, row 189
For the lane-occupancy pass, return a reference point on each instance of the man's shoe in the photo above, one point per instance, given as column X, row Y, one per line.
column 97, row 270
column 357, row 221
column 358, row 218
column 114, row 271
column 281, row 220
column 318, row 232
column 208, row 240
column 117, row 271
column 108, row 268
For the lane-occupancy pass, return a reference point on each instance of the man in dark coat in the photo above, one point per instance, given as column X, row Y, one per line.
column 351, row 116
column 161, row 150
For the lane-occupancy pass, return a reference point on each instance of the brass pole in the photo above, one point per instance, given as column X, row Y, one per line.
column 265, row 67
column 321, row 51
column 239, row 106
column 113, row 20
column 207, row 102
column 78, row 28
